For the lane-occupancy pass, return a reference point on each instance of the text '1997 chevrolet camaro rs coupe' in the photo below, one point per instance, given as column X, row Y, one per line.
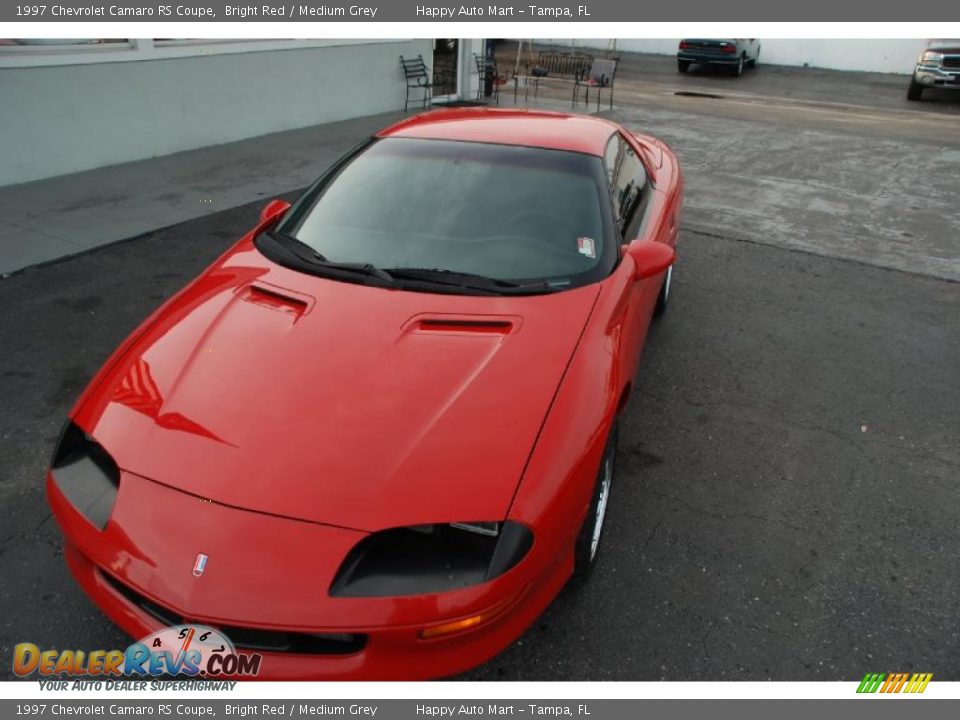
column 387, row 415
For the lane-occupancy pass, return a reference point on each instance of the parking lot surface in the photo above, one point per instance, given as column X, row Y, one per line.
column 866, row 91
column 786, row 499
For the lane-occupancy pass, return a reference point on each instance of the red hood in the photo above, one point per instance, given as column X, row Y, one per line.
column 270, row 390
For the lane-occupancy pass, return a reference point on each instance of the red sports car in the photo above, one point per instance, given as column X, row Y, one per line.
column 377, row 436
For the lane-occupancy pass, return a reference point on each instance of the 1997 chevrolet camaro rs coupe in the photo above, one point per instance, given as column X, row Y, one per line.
column 377, row 436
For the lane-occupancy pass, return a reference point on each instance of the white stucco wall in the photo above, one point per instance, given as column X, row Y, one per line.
column 66, row 118
column 873, row 55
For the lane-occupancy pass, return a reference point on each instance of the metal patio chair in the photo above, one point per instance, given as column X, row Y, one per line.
column 417, row 75
column 602, row 73
column 487, row 72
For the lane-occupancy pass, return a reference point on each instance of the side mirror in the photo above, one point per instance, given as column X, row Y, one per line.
column 649, row 258
column 273, row 209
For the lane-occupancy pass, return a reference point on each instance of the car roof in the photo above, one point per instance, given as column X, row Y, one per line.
column 531, row 128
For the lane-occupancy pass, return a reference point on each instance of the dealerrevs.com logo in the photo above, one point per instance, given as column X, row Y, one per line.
column 182, row 650
column 911, row 683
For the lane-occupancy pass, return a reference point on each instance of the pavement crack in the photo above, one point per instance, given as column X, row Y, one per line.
column 32, row 229
column 807, row 251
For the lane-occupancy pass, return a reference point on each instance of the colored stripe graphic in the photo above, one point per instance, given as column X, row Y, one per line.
column 871, row 682
column 918, row 683
column 894, row 682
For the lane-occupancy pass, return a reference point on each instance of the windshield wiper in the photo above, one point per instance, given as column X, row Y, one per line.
column 306, row 252
column 308, row 259
column 469, row 281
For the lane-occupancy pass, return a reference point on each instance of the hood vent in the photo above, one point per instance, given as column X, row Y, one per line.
column 479, row 326
column 276, row 298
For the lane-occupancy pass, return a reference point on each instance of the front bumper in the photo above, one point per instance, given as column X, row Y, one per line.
column 241, row 590
column 933, row 76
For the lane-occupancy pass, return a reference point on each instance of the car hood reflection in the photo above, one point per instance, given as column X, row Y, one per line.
column 270, row 390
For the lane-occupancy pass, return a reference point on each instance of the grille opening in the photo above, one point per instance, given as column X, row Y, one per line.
column 155, row 610
column 252, row 639
column 279, row 641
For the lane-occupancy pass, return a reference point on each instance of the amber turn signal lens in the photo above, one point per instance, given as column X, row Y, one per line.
column 452, row 627
column 468, row 623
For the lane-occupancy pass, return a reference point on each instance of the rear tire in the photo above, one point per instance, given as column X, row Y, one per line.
column 738, row 68
column 683, row 65
column 915, row 91
column 587, row 546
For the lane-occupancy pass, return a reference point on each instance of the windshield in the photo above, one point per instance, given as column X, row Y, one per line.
column 509, row 213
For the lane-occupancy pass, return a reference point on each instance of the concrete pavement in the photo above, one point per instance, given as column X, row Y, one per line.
column 884, row 201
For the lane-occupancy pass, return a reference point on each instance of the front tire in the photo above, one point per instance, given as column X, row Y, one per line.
column 664, row 297
column 683, row 65
column 588, row 541
column 915, row 91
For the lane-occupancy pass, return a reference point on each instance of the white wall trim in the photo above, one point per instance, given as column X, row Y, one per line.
column 20, row 56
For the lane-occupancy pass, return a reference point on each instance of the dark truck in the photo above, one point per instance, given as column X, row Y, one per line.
column 937, row 67
column 734, row 54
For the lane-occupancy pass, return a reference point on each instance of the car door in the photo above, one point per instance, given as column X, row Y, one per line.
column 631, row 194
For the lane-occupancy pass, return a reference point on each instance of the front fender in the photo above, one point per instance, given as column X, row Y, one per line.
column 557, row 484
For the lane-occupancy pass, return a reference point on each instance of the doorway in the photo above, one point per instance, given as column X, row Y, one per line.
column 446, row 65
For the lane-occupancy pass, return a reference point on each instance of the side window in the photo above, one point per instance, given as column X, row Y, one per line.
column 628, row 185
column 611, row 158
